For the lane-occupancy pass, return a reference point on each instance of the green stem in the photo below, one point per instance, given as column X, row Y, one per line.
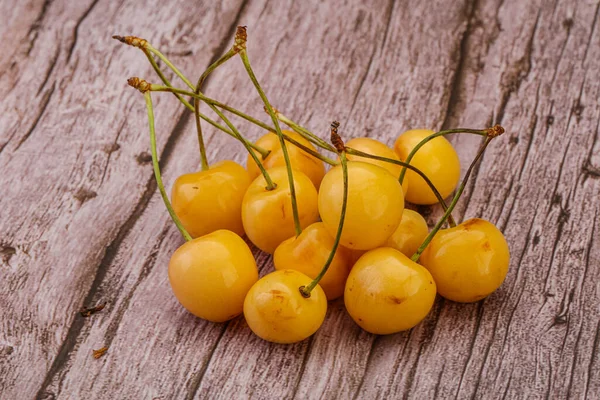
column 270, row 184
column 288, row 164
column 433, row 136
column 412, row 168
column 308, row 135
column 263, row 152
column 208, row 100
column 170, row 65
column 209, row 70
column 455, row 199
column 305, row 290
column 156, row 167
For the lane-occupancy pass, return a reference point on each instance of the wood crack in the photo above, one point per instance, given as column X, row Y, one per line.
column 460, row 72
column 147, row 267
column 45, row 101
column 369, row 359
column 35, row 27
column 76, row 30
column 196, row 382
column 595, row 349
column 390, row 13
column 587, row 47
column 69, row 343
column 514, row 75
column 472, row 346
column 49, row 71
column 302, row 367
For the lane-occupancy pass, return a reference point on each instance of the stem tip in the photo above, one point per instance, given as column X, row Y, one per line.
column 132, row 41
column 495, row 131
column 241, row 36
column 139, row 84
column 336, row 139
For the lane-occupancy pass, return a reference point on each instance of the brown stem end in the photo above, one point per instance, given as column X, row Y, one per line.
column 336, row 139
column 132, row 41
column 303, row 292
column 139, row 84
column 86, row 312
column 100, row 352
column 495, row 131
column 241, row 37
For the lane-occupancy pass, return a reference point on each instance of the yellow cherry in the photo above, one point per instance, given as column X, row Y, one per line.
column 308, row 254
column 267, row 214
column 299, row 159
column 409, row 235
column 206, row 201
column 277, row 312
column 387, row 292
column 211, row 275
column 354, row 255
column 437, row 160
column 469, row 261
column 374, row 209
column 376, row 148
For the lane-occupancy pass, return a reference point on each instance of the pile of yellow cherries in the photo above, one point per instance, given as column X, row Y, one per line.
column 337, row 231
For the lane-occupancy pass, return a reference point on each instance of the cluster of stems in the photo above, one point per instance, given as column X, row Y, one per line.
column 259, row 154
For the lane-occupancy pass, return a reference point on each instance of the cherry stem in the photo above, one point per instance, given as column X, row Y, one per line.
column 305, row 290
column 433, row 136
column 455, row 199
column 208, row 100
column 308, row 135
column 263, row 152
column 156, row 167
column 208, row 71
column 412, row 168
column 169, row 64
column 286, row 156
column 270, row 184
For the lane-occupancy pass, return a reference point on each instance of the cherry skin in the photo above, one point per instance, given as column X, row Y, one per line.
column 374, row 209
column 437, row 160
column 277, row 312
column 211, row 275
column 267, row 214
column 308, row 253
column 409, row 235
column 376, row 148
column 387, row 292
column 206, row 201
column 469, row 261
column 354, row 255
column 299, row 159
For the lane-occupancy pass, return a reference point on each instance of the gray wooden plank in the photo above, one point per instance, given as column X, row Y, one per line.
column 73, row 236
column 525, row 66
column 71, row 158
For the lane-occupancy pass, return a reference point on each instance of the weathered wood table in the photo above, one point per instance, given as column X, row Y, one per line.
column 81, row 221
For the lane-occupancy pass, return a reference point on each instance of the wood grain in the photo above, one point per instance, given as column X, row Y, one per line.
column 81, row 222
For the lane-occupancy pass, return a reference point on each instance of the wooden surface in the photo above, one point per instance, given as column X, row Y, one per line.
column 81, row 221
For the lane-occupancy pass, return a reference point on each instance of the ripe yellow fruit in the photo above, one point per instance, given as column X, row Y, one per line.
column 468, row 262
column 277, row 312
column 299, row 159
column 437, row 160
column 206, row 201
column 309, row 252
column 267, row 215
column 410, row 234
column 211, row 275
column 376, row 148
column 387, row 292
column 374, row 209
